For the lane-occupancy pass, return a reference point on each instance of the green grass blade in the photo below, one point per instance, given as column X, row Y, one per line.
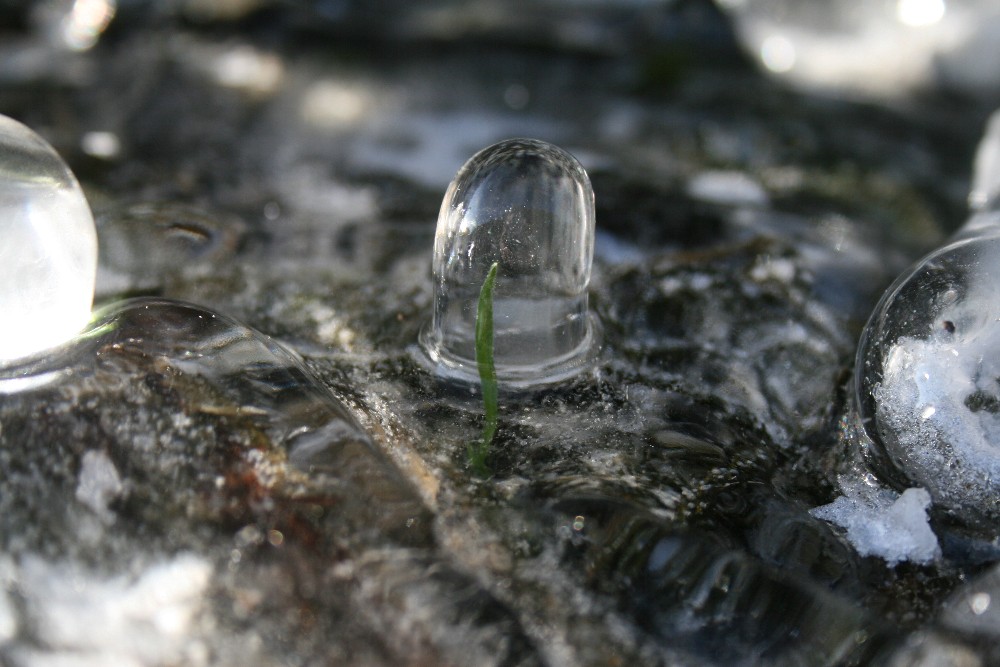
column 487, row 372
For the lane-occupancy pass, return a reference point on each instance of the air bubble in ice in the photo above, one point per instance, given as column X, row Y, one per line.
column 48, row 258
column 928, row 369
column 528, row 206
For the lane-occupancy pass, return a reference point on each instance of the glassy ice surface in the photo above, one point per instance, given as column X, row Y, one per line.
column 528, row 206
column 48, row 255
column 202, row 461
column 723, row 607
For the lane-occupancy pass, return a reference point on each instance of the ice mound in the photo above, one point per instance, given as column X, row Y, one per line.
column 930, row 377
column 928, row 373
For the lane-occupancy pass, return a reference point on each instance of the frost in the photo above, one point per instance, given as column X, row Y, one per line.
column 880, row 524
column 937, row 404
column 929, row 397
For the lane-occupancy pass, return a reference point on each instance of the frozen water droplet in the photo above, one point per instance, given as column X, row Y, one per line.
column 529, row 206
column 48, row 259
column 928, row 375
column 928, row 368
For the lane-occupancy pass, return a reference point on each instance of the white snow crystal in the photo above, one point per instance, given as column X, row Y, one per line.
column 895, row 529
column 936, row 406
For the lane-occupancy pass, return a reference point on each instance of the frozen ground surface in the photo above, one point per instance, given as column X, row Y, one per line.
column 244, row 462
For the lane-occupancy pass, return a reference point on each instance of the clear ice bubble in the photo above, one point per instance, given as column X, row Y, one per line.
column 48, row 258
column 528, row 206
column 928, row 367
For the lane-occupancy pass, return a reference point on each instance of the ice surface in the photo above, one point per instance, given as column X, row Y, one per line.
column 974, row 608
column 528, row 206
column 725, row 336
column 939, row 394
column 48, row 258
column 731, row 604
column 894, row 528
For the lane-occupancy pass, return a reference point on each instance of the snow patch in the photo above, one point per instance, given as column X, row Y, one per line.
column 880, row 523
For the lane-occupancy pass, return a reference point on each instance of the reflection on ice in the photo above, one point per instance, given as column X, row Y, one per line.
column 876, row 48
column 920, row 13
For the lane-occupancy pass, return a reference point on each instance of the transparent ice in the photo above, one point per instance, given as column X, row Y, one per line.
column 48, row 257
column 529, row 206
column 217, row 440
column 928, row 368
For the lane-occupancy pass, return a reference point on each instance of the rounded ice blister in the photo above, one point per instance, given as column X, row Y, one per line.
column 48, row 252
column 928, row 365
column 527, row 206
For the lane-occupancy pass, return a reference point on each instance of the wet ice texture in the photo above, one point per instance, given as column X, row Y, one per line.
column 723, row 608
column 529, row 206
column 170, row 429
column 719, row 337
column 48, row 258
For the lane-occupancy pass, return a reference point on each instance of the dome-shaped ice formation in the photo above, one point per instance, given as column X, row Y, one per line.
column 527, row 206
column 48, row 252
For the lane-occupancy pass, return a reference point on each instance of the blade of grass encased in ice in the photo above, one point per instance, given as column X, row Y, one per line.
column 487, row 372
